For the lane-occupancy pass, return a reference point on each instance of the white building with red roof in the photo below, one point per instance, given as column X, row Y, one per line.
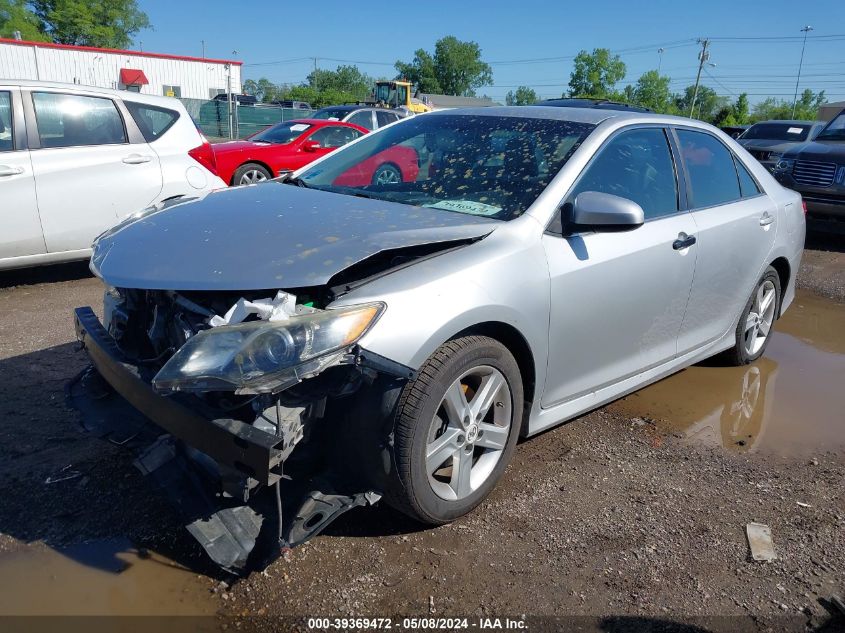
column 138, row 71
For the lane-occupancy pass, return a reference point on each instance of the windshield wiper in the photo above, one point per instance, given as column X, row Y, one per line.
column 287, row 179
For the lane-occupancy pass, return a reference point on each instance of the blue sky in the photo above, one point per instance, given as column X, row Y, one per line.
column 278, row 42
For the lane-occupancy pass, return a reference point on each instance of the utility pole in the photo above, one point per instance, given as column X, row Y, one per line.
column 660, row 57
column 203, row 48
column 315, row 63
column 703, row 56
column 805, row 30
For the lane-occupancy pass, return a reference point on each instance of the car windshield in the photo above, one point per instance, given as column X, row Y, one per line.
column 492, row 166
column 331, row 114
column 835, row 130
column 778, row 131
column 281, row 133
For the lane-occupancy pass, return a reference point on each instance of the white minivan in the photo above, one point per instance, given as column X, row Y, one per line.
column 75, row 160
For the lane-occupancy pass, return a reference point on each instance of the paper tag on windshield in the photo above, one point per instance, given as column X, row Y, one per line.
column 299, row 127
column 466, row 206
column 795, row 130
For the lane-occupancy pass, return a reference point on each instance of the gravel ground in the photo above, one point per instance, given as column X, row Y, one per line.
column 604, row 516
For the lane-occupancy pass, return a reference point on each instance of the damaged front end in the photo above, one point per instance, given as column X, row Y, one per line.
column 251, row 391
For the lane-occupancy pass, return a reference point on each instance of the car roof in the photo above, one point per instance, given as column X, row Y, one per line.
column 321, row 122
column 787, row 122
column 342, row 108
column 160, row 100
column 600, row 104
column 577, row 115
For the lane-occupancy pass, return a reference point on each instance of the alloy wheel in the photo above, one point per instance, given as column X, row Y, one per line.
column 252, row 176
column 758, row 323
column 387, row 176
column 468, row 433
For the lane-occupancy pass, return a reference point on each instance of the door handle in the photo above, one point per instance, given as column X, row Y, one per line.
column 766, row 219
column 5, row 170
column 136, row 159
column 683, row 241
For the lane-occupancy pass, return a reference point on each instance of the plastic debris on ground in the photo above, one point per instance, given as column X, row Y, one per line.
column 760, row 542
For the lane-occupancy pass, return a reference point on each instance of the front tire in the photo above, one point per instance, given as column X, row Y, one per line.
column 757, row 321
column 455, row 429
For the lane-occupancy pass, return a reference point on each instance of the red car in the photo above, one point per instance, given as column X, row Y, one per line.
column 294, row 144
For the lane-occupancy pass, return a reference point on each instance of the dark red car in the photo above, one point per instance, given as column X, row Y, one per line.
column 294, row 144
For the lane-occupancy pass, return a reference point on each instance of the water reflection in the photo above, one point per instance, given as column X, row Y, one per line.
column 791, row 401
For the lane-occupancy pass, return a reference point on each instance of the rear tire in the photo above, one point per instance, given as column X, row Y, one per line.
column 455, row 429
column 387, row 174
column 754, row 330
column 250, row 174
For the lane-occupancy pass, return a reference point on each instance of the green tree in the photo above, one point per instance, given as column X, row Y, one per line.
column 708, row 104
column 346, row 79
column 806, row 107
column 104, row 23
column 15, row 16
column 523, row 96
column 420, row 72
column 456, row 68
column 264, row 90
column 652, row 91
column 735, row 113
column 596, row 74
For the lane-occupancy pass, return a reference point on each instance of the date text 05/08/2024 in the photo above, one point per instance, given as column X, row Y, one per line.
column 412, row 623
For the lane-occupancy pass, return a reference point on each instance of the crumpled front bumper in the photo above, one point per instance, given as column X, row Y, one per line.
column 250, row 451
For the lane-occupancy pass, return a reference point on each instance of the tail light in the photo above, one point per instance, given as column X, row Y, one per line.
column 204, row 155
column 804, row 206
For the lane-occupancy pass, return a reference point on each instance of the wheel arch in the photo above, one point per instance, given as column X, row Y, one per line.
column 781, row 266
column 516, row 343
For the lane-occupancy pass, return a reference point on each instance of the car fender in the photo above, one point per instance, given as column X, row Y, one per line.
column 433, row 300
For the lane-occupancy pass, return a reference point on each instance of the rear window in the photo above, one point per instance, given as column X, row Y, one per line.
column 777, row 132
column 151, row 120
column 331, row 114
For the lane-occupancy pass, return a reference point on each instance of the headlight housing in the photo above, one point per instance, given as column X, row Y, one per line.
column 784, row 165
column 265, row 356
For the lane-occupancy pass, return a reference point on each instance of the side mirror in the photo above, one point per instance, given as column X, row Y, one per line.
column 606, row 212
column 310, row 146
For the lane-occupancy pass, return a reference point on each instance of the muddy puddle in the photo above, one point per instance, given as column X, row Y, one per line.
column 790, row 402
column 102, row 578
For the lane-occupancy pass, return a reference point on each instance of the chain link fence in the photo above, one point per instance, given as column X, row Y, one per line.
column 214, row 120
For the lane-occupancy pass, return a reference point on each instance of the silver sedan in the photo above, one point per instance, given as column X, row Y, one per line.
column 397, row 338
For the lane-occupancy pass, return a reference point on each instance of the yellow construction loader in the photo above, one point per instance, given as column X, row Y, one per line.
column 398, row 94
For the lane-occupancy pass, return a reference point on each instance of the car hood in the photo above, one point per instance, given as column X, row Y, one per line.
column 768, row 145
column 831, row 151
column 267, row 236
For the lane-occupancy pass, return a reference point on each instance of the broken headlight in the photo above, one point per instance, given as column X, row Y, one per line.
column 265, row 356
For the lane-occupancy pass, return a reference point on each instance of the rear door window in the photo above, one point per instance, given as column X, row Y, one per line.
column 66, row 120
column 637, row 165
column 747, row 185
column 385, row 118
column 151, row 120
column 710, row 167
column 363, row 118
column 6, row 137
